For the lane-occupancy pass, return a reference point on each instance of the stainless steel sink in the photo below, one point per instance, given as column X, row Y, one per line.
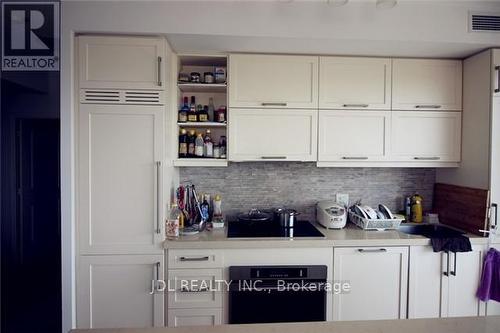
column 429, row 230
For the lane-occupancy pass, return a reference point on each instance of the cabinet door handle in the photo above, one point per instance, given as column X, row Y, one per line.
column 355, row 105
column 159, row 71
column 494, row 205
column 273, row 104
column 432, row 106
column 158, row 202
column 497, row 69
column 354, row 157
column 372, row 250
column 205, row 258
column 273, row 157
column 158, row 266
column 447, row 273
column 428, row 158
column 454, row 271
column 154, row 283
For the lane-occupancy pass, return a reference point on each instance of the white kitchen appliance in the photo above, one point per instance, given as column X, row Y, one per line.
column 331, row 214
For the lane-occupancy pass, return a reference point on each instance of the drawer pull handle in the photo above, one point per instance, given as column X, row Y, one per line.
column 273, row 157
column 206, row 258
column 433, row 106
column 355, row 105
column 430, row 158
column 273, row 104
column 372, row 250
column 354, row 158
column 187, row 290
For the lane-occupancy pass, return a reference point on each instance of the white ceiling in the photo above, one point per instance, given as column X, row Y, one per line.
column 414, row 28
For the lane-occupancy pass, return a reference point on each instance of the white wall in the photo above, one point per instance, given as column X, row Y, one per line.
column 413, row 28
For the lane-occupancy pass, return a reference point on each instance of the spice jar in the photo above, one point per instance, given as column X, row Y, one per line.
column 208, row 77
column 195, row 77
column 220, row 115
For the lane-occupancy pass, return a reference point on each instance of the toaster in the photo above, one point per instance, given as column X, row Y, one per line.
column 331, row 214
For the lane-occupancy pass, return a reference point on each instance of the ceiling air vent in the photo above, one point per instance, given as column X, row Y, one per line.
column 108, row 96
column 484, row 22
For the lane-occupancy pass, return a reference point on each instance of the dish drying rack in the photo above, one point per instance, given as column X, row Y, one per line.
column 374, row 224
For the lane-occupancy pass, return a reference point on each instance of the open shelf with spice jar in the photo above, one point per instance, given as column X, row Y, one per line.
column 202, row 101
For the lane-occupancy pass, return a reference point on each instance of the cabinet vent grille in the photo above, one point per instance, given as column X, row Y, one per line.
column 479, row 22
column 109, row 96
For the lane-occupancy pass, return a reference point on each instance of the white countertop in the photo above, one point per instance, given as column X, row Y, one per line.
column 349, row 236
column 441, row 325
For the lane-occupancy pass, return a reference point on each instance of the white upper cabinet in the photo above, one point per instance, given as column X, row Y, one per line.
column 426, row 136
column 379, row 282
column 120, row 197
column 117, row 291
column 273, row 135
column 426, row 84
column 273, row 81
column 354, row 83
column 353, row 136
column 121, row 62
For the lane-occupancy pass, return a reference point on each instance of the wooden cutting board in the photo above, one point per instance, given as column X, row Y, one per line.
column 461, row 207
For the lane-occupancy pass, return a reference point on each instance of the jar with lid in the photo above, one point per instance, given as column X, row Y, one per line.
column 195, row 77
column 208, row 77
column 220, row 114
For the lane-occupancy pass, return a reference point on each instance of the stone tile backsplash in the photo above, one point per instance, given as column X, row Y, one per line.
column 300, row 185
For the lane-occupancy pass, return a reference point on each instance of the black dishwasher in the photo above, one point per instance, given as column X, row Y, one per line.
column 273, row 294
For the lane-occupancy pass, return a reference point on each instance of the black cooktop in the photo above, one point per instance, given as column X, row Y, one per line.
column 237, row 229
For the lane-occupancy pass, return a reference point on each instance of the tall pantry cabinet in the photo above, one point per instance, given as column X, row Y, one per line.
column 481, row 134
column 120, row 169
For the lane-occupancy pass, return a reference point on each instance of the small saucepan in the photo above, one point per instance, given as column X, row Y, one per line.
column 286, row 217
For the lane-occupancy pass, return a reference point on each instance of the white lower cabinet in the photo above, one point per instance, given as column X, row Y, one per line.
column 115, row 291
column 378, row 279
column 444, row 285
column 272, row 135
column 194, row 317
column 353, row 135
column 426, row 137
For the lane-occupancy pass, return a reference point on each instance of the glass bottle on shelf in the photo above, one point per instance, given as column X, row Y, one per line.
column 211, row 109
column 191, row 143
column 222, row 146
column 199, row 146
column 183, row 144
column 192, row 115
column 203, row 114
column 183, row 112
column 208, row 145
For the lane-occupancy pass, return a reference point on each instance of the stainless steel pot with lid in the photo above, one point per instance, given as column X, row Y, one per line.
column 286, row 217
column 255, row 215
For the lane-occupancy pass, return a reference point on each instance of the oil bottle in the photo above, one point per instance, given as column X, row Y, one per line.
column 416, row 208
